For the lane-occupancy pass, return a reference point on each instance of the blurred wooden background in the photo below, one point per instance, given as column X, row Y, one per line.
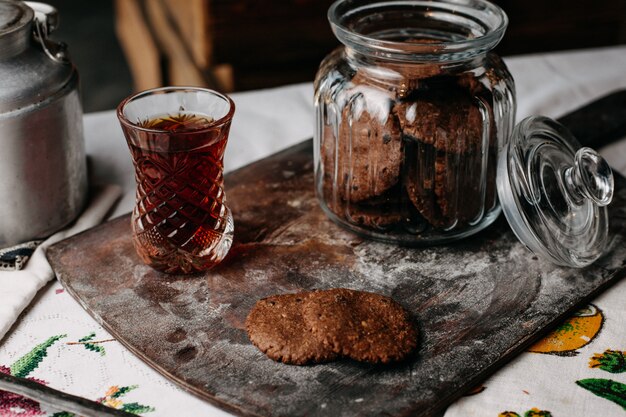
column 235, row 45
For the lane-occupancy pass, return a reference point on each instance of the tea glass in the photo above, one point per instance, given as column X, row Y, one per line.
column 177, row 137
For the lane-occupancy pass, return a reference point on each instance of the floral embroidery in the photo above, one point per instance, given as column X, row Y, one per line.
column 112, row 399
column 29, row 362
column 606, row 388
column 92, row 345
column 612, row 361
column 574, row 333
column 14, row 405
column 533, row 412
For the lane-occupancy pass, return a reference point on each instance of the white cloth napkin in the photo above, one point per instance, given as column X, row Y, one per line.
column 18, row 288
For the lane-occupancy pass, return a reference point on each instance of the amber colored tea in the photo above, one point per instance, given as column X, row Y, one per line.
column 180, row 221
column 180, row 122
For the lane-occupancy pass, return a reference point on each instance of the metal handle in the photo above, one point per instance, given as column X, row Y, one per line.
column 46, row 14
column 46, row 21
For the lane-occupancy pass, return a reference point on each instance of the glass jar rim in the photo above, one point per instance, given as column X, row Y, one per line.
column 489, row 17
column 173, row 89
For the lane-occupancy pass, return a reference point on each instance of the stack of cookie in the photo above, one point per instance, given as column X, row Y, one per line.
column 320, row 326
column 415, row 151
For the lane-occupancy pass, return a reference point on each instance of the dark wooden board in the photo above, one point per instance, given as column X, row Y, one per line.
column 478, row 302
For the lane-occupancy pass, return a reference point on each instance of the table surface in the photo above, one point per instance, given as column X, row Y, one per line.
column 69, row 351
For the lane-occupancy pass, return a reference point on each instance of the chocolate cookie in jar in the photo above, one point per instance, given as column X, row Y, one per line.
column 411, row 113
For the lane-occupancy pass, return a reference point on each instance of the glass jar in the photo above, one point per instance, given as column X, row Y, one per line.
column 411, row 113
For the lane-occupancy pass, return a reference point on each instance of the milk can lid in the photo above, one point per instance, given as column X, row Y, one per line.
column 13, row 15
column 33, row 68
column 554, row 193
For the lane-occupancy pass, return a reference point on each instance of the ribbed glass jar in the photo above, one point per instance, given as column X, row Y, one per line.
column 411, row 113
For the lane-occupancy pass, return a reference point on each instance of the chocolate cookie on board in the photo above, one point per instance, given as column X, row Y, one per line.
column 362, row 325
column 275, row 325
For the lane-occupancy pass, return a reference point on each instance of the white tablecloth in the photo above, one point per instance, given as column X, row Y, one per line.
column 57, row 342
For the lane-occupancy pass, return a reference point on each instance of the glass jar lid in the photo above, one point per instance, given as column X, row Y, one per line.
column 554, row 193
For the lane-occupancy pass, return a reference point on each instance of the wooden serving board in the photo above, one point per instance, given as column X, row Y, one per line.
column 477, row 302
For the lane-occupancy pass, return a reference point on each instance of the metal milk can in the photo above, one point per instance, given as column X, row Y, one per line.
column 43, row 172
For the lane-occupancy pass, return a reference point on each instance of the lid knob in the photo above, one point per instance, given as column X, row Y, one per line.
column 590, row 177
